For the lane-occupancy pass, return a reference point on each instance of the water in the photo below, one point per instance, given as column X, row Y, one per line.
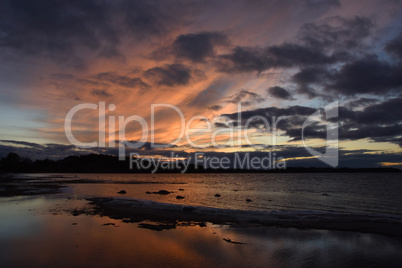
column 365, row 193
column 40, row 231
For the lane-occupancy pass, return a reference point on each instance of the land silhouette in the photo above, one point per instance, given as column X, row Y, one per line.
column 99, row 163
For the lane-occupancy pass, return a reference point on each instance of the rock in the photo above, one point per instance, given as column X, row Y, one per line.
column 179, row 197
column 217, row 195
column 122, row 192
column 248, row 200
column 181, row 189
column 325, row 194
column 233, row 242
column 161, row 192
column 157, row 227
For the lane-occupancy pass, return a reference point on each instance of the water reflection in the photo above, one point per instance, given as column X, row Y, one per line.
column 35, row 232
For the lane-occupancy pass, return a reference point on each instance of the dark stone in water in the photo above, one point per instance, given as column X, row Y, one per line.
column 325, row 194
column 161, row 192
column 189, row 209
column 233, row 242
column 179, row 197
column 217, row 195
column 248, row 200
column 202, row 224
column 122, row 192
column 181, row 189
column 157, row 227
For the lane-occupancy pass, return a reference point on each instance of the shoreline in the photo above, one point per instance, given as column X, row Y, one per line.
column 169, row 215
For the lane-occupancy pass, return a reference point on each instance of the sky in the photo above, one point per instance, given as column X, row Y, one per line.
column 229, row 63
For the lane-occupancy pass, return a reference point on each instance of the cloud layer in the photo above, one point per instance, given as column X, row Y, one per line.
column 274, row 58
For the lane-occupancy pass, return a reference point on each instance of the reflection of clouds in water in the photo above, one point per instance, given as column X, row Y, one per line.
column 53, row 240
column 17, row 218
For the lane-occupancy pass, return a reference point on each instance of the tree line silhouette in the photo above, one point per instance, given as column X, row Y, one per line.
column 98, row 163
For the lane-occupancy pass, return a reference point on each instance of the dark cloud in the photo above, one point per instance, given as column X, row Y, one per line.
column 337, row 33
column 169, row 75
column 55, row 29
column 349, row 132
column 386, row 112
column 395, row 46
column 382, row 121
column 356, row 72
column 101, row 93
column 274, row 112
column 378, row 121
column 293, row 117
column 306, row 78
column 289, row 55
column 196, row 47
column 396, row 140
column 155, row 17
column 215, row 107
column 221, row 125
column 246, row 98
column 65, row 31
column 247, row 59
column 360, row 103
column 121, row 80
column 320, row 44
column 279, row 92
column 366, row 75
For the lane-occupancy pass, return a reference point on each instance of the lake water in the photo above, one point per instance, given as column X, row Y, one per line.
column 366, row 193
column 39, row 231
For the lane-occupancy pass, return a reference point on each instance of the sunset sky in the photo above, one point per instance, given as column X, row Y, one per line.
column 275, row 58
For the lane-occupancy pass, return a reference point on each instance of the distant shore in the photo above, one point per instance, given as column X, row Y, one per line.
column 98, row 163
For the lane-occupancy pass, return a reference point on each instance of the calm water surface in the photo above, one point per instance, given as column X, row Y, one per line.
column 346, row 192
column 34, row 232
column 39, row 231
